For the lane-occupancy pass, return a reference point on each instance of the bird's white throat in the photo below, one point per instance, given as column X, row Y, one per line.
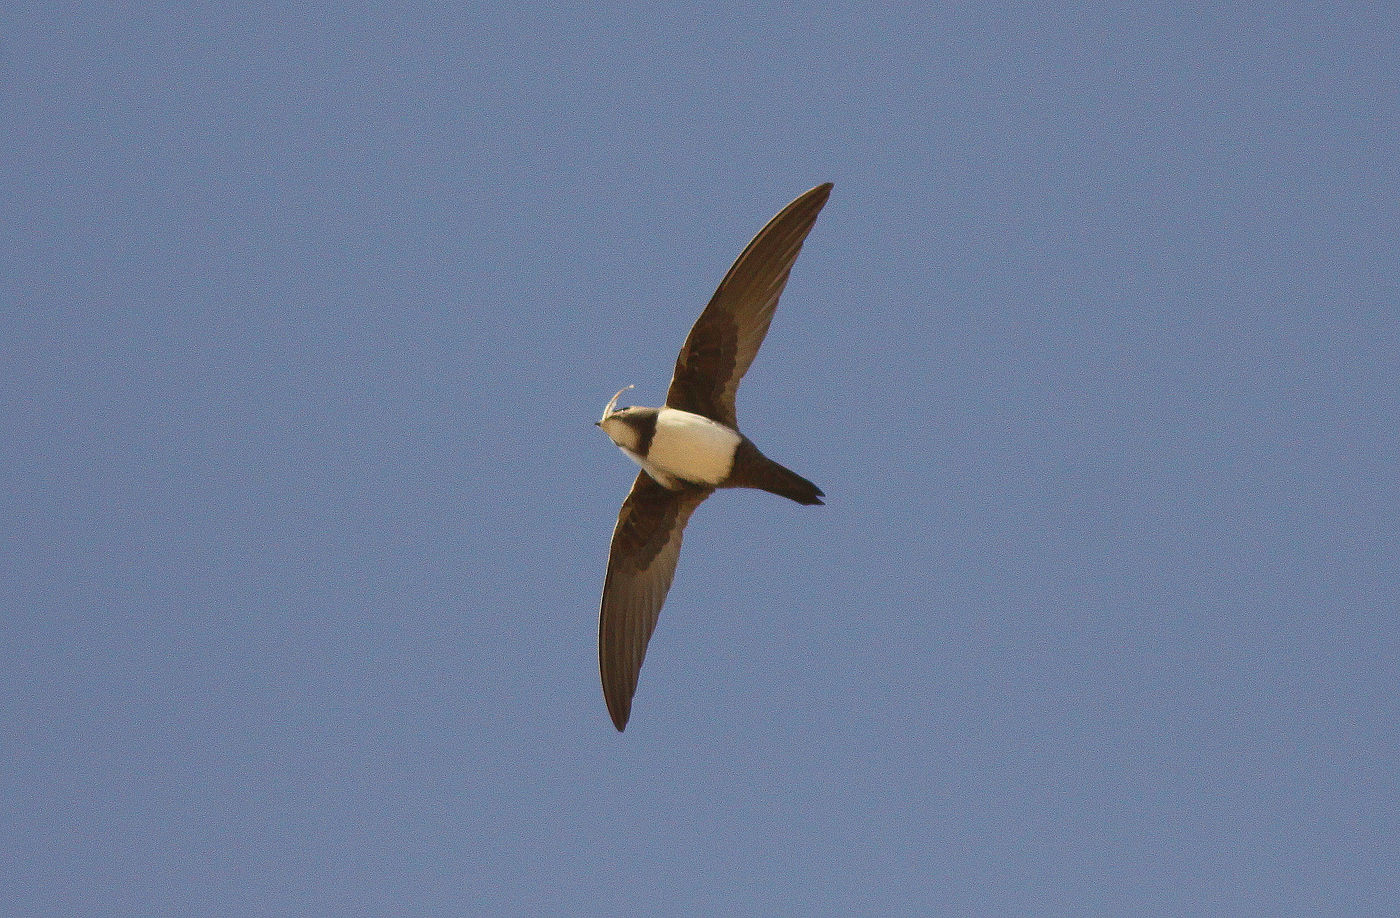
column 627, row 438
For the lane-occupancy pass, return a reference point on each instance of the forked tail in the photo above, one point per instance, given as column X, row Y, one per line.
column 752, row 469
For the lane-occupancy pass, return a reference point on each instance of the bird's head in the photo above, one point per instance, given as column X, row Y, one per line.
column 620, row 423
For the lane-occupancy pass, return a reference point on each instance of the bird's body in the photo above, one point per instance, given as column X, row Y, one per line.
column 692, row 445
column 673, row 445
column 678, row 448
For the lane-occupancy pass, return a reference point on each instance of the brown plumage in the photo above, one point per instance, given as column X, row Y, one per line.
column 645, row 546
column 725, row 339
column 752, row 469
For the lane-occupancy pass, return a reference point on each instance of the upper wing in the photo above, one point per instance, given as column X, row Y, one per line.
column 725, row 338
column 645, row 546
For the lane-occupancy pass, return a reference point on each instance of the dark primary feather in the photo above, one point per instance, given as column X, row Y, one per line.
column 645, row 545
column 724, row 340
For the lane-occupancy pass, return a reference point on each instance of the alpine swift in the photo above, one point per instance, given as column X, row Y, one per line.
column 692, row 445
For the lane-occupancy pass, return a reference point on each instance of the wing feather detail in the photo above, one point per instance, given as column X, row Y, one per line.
column 725, row 339
column 646, row 544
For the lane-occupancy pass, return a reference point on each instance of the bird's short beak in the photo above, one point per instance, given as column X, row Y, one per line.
column 597, row 423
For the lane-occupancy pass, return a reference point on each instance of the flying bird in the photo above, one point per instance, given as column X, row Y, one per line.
column 692, row 445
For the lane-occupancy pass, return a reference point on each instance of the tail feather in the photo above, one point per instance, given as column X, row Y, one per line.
column 752, row 469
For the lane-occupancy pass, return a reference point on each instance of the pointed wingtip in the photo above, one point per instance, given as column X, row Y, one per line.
column 619, row 718
column 619, row 703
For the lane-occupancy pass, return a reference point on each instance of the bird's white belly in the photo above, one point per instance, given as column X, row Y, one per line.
column 690, row 447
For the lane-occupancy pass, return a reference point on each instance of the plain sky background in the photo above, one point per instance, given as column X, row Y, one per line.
column 308, row 310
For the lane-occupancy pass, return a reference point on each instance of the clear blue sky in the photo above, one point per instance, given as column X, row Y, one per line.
column 308, row 311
